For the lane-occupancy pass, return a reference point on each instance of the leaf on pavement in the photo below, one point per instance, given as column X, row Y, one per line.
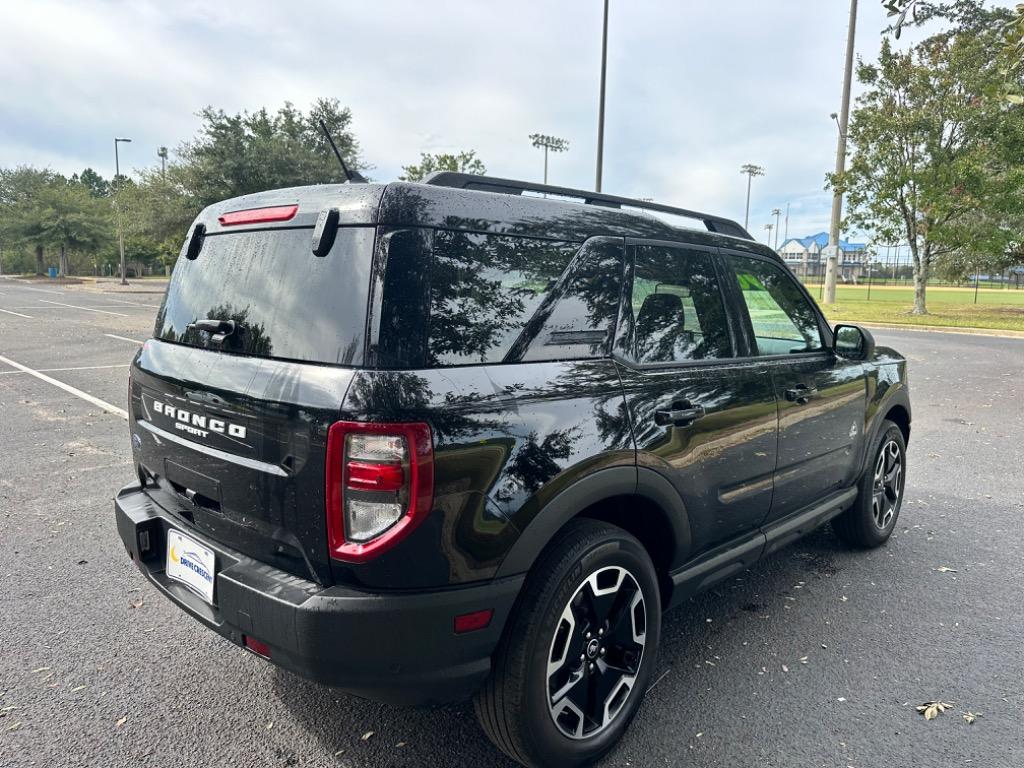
column 970, row 717
column 945, row 569
column 367, row 736
column 122, row 721
column 932, row 709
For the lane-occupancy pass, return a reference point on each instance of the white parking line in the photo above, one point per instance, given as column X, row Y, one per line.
column 87, row 309
column 78, row 368
column 67, row 388
column 39, row 290
column 124, row 338
column 9, row 312
column 133, row 303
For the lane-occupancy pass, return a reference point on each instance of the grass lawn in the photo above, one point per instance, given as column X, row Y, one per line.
column 996, row 309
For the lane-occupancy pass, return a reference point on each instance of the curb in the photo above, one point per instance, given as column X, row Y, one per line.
column 966, row 331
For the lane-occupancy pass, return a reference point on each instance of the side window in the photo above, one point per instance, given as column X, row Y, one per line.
column 484, row 289
column 675, row 312
column 783, row 319
column 576, row 320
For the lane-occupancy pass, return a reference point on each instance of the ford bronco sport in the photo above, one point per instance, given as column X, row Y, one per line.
column 471, row 437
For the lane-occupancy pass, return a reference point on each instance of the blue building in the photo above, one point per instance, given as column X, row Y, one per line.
column 805, row 256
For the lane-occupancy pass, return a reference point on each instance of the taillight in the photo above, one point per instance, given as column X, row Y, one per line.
column 380, row 486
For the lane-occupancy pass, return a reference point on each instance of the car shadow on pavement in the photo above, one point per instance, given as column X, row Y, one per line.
column 450, row 736
column 401, row 736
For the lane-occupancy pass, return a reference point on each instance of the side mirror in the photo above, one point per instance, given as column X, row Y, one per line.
column 853, row 342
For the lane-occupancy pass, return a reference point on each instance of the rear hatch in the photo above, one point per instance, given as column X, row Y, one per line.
column 253, row 352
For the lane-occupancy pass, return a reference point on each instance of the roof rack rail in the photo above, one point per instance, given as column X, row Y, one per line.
column 512, row 187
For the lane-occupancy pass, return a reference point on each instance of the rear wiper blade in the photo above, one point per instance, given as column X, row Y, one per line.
column 220, row 329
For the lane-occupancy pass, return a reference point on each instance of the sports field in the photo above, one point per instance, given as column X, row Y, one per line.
column 997, row 308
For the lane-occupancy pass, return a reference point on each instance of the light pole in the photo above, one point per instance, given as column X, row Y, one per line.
column 117, row 209
column 162, row 154
column 832, row 265
column 776, row 212
column 750, row 170
column 769, row 228
column 600, row 107
column 553, row 143
column 786, row 236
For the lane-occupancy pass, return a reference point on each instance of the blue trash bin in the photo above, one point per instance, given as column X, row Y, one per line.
column 52, row 271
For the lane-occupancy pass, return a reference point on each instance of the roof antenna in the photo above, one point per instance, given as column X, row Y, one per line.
column 351, row 176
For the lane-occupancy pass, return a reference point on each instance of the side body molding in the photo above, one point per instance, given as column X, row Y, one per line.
column 596, row 487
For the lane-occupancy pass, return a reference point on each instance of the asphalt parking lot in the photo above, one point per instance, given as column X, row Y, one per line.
column 817, row 657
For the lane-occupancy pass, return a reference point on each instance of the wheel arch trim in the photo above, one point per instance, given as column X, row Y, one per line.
column 588, row 491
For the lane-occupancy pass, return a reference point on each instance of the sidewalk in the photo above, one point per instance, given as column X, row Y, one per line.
column 1002, row 334
column 156, row 286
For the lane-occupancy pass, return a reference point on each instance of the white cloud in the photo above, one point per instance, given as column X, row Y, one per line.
column 694, row 89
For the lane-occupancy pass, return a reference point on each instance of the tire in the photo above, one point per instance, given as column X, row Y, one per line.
column 589, row 575
column 872, row 518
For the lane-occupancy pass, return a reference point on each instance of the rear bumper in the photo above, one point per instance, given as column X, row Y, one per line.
column 398, row 648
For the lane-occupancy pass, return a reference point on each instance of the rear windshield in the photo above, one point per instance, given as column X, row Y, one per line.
column 285, row 302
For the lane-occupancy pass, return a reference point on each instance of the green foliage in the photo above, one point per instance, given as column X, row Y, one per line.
column 935, row 146
column 42, row 211
column 232, row 155
column 463, row 162
column 971, row 15
column 253, row 152
column 157, row 213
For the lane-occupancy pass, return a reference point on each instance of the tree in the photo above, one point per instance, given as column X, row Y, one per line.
column 70, row 218
column 463, row 162
column 253, row 152
column 96, row 184
column 20, row 224
column 157, row 214
column 1010, row 27
column 924, row 134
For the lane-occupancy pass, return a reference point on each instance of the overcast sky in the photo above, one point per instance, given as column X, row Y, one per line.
column 695, row 88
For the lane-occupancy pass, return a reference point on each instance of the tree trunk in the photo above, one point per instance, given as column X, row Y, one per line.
column 39, row 261
column 63, row 263
column 922, row 262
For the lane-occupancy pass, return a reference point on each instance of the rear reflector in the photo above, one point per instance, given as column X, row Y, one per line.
column 470, row 622
column 259, row 215
column 254, row 645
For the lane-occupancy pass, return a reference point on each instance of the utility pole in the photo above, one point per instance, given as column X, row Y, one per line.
column 750, row 170
column 832, row 266
column 553, row 143
column 600, row 108
column 786, row 236
column 117, row 210
column 776, row 212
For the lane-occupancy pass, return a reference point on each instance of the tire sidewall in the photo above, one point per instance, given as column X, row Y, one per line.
column 548, row 740
column 891, row 432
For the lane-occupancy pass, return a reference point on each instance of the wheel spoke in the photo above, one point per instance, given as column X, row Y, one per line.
column 596, row 652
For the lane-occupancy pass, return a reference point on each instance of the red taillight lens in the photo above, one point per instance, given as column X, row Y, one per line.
column 254, row 645
column 380, row 486
column 374, row 477
column 259, row 215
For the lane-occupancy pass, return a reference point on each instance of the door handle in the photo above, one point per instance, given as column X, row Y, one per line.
column 801, row 394
column 681, row 414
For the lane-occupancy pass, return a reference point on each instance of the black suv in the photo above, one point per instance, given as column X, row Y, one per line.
column 473, row 436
